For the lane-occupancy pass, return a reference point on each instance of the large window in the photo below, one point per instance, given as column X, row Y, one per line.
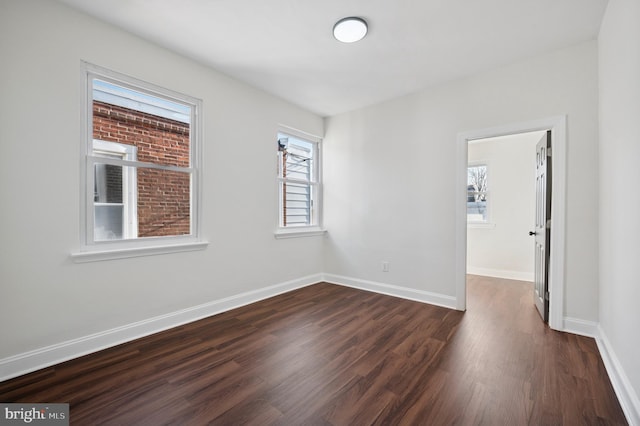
column 141, row 176
column 298, row 182
column 477, row 194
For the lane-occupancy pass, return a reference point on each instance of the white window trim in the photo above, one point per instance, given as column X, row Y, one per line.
column 316, row 228
column 90, row 250
column 301, row 231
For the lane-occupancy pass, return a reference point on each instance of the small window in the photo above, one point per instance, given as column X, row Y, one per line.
column 298, row 181
column 141, row 173
column 477, row 194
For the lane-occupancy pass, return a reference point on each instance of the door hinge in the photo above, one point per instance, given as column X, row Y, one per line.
column 548, row 223
column 546, row 295
column 549, row 152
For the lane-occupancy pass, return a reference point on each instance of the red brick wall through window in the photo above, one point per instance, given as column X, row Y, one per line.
column 164, row 205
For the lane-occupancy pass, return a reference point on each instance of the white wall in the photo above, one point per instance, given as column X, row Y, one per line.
column 389, row 192
column 619, row 68
column 47, row 299
column 504, row 248
column 389, row 178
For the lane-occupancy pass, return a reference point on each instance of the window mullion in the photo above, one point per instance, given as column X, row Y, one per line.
column 139, row 164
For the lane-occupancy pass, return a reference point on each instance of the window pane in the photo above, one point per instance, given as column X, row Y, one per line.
column 477, row 193
column 108, row 184
column 299, row 156
column 477, row 178
column 157, row 127
column 298, row 167
column 135, row 126
column 164, row 203
column 476, row 211
column 296, row 201
column 109, row 222
column 141, row 202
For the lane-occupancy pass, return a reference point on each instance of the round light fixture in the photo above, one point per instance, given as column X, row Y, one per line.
column 348, row 30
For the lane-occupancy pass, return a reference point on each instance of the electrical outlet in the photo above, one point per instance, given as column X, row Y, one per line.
column 385, row 266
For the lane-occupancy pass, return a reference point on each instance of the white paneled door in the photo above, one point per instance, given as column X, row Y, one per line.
column 542, row 230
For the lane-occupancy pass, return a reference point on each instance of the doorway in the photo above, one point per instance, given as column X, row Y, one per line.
column 557, row 128
column 501, row 206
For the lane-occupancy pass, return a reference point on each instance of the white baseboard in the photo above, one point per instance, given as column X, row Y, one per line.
column 47, row 356
column 627, row 396
column 501, row 273
column 580, row 327
column 393, row 290
column 27, row 362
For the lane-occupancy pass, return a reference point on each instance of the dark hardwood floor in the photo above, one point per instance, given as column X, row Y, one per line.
column 331, row 355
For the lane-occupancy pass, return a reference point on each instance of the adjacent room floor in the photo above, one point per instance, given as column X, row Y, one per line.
column 327, row 354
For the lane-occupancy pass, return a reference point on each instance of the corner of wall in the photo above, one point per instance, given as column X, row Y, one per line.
column 627, row 396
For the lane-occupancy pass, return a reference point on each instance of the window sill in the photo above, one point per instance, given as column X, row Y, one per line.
column 481, row 225
column 125, row 253
column 299, row 232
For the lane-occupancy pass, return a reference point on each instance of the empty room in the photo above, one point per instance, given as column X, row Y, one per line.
column 285, row 212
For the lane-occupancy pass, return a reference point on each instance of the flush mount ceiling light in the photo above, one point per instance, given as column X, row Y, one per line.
column 348, row 30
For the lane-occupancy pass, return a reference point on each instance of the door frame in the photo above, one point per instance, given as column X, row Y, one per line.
column 556, row 285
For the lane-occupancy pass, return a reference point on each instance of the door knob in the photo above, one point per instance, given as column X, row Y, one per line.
column 532, row 233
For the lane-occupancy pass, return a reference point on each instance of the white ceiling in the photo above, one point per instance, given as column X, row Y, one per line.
column 286, row 47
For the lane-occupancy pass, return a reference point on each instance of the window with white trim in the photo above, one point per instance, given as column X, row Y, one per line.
column 477, row 194
column 298, row 181
column 141, row 168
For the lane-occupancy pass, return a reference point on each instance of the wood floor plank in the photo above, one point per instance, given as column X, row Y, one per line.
column 333, row 355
